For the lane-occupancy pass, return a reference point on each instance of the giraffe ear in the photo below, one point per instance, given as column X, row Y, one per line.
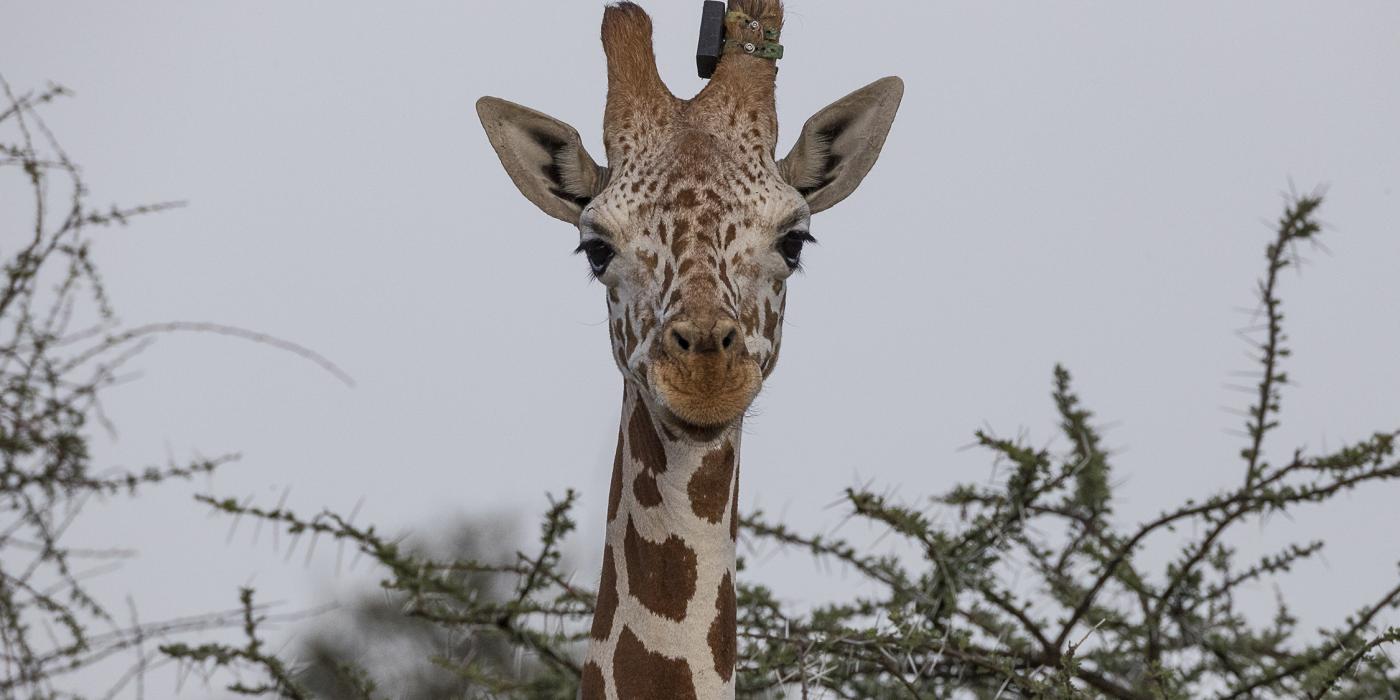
column 839, row 145
column 543, row 156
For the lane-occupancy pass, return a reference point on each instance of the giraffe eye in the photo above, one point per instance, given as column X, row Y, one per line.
column 599, row 253
column 790, row 247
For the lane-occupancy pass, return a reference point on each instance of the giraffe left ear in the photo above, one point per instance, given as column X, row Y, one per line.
column 543, row 156
column 840, row 144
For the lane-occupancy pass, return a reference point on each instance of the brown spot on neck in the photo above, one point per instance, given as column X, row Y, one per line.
column 592, row 686
column 641, row 674
column 607, row 598
column 649, row 452
column 615, row 490
column 723, row 631
column 646, row 490
column 709, row 486
column 660, row 576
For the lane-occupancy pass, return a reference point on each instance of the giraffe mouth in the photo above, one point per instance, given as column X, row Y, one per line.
column 708, row 393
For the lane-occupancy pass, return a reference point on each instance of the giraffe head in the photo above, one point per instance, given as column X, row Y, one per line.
column 694, row 226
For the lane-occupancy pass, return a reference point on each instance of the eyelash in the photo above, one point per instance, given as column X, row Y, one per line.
column 600, row 255
column 786, row 245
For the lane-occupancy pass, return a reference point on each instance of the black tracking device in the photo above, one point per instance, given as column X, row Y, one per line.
column 711, row 38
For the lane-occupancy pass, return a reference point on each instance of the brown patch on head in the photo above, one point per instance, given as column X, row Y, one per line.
column 723, row 631
column 629, row 338
column 649, row 452
column 709, row 487
column 642, row 674
column 670, row 273
column 660, row 576
column 770, row 321
column 772, row 362
column 607, row 597
column 749, row 318
column 681, row 241
column 592, row 686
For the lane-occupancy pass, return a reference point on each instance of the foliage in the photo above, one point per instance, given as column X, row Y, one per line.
column 462, row 602
column 57, row 355
column 371, row 644
column 280, row 680
column 1098, row 622
column 61, row 346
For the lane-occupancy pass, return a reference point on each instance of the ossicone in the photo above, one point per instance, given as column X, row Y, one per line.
column 633, row 80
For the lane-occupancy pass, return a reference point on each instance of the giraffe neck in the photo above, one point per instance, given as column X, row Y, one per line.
column 665, row 622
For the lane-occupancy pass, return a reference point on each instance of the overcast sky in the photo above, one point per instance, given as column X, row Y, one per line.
column 1080, row 182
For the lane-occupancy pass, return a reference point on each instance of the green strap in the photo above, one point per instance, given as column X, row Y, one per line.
column 769, row 48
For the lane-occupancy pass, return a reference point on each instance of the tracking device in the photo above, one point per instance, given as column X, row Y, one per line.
column 711, row 38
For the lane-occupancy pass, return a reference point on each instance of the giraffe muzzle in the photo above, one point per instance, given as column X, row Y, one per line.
column 706, row 376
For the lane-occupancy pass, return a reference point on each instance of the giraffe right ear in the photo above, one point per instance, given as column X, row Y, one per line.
column 543, row 156
column 839, row 145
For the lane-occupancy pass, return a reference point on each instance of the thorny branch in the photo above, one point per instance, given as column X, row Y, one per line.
column 61, row 346
column 1096, row 623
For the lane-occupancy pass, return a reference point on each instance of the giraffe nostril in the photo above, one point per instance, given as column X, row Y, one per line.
column 681, row 342
column 729, row 339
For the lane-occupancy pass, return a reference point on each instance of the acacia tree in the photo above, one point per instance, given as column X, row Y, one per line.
column 1098, row 622
column 61, row 346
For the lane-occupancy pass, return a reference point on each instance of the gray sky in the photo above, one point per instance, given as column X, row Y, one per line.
column 1088, row 183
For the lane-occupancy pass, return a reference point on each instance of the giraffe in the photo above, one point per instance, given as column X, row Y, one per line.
column 693, row 228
